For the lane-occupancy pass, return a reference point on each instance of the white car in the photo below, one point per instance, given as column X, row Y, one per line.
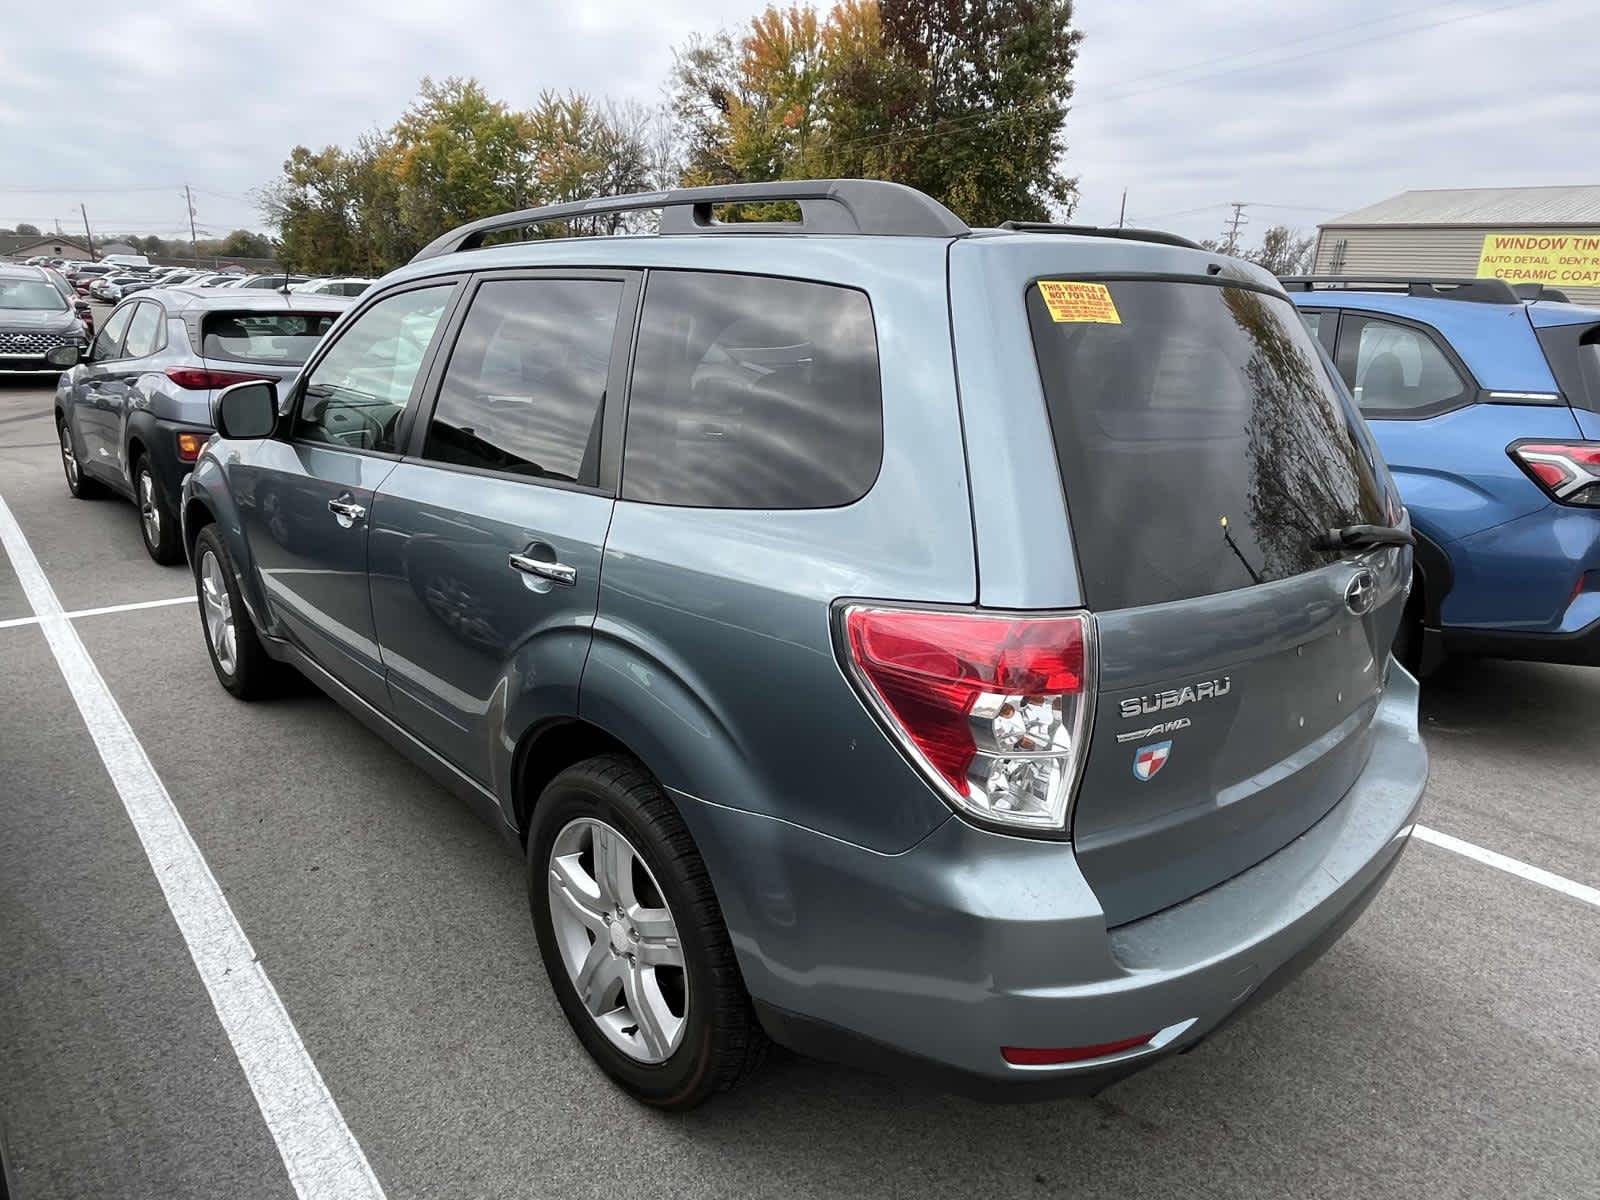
column 350, row 286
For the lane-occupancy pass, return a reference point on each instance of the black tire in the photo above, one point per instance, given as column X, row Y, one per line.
column 254, row 674
column 79, row 484
column 166, row 545
column 723, row 1042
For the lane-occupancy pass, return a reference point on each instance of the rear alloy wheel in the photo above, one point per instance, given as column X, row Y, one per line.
column 618, row 940
column 633, row 938
column 81, row 487
column 157, row 526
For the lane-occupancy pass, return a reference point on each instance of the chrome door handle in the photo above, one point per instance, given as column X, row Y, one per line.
column 555, row 572
column 347, row 512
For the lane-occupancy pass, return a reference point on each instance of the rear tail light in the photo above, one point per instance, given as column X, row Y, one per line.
column 993, row 708
column 199, row 379
column 1568, row 471
column 190, row 445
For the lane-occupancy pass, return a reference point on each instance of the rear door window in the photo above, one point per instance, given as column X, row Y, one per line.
column 526, row 383
column 285, row 339
column 1397, row 370
column 1201, row 443
column 752, row 392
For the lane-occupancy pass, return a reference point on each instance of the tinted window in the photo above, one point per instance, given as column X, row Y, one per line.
column 108, row 342
column 357, row 393
column 1313, row 320
column 1201, row 443
column 751, row 392
column 144, row 332
column 283, row 338
column 1398, row 367
column 527, row 378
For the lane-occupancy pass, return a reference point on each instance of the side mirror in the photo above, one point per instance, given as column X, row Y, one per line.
column 63, row 356
column 80, row 307
column 246, row 410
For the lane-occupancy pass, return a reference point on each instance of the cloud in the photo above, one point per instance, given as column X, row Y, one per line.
column 1189, row 105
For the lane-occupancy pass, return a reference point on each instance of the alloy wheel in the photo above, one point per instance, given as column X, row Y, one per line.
column 149, row 509
column 69, row 460
column 217, row 607
column 618, row 940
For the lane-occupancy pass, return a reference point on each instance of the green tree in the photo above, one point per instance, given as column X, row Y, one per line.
column 242, row 243
column 455, row 156
column 26, row 230
column 963, row 99
column 989, row 105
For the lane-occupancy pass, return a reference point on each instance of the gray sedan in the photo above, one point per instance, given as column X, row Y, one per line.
column 133, row 416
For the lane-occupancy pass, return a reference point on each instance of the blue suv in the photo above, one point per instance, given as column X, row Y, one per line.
column 1486, row 401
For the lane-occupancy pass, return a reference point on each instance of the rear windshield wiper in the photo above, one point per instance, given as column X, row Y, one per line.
column 1363, row 537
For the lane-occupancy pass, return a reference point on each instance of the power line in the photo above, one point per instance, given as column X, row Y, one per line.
column 1377, row 37
column 879, row 141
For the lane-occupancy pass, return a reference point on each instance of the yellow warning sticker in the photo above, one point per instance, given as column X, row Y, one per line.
column 1079, row 302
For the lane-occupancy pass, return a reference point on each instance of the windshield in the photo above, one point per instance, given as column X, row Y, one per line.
column 1201, row 442
column 286, row 339
column 30, row 294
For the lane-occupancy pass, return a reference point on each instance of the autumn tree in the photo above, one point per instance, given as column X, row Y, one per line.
column 454, row 156
column 963, row 99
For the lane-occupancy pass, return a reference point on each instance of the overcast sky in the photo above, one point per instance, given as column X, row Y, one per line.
column 1189, row 104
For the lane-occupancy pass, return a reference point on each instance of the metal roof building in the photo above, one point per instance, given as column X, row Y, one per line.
column 1549, row 235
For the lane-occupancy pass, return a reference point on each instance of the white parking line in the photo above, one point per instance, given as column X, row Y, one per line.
column 1512, row 866
column 15, row 622
column 321, row 1155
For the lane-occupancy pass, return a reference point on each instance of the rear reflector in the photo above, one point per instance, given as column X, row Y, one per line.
column 1029, row 1056
column 1569, row 472
column 993, row 708
column 198, row 379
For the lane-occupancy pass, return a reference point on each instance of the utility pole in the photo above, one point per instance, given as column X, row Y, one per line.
column 1123, row 211
column 87, row 233
column 194, row 242
column 1233, row 230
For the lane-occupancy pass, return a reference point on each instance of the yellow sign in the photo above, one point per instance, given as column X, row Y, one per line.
column 1559, row 259
column 1079, row 302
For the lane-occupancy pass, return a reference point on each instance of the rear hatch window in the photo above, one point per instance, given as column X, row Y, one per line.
column 282, row 339
column 1200, row 440
column 1202, row 448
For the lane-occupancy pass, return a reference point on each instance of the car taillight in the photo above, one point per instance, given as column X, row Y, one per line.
column 994, row 708
column 1568, row 471
column 198, row 379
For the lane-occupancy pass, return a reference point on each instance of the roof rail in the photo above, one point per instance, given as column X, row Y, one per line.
column 1480, row 291
column 1538, row 291
column 867, row 206
column 1132, row 235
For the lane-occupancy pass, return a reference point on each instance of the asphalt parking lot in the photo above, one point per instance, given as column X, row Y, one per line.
column 1448, row 1046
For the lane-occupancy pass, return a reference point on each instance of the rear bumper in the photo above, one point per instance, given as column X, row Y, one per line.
column 929, row 961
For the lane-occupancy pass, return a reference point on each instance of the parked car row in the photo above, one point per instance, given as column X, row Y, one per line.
column 1070, row 547
column 133, row 416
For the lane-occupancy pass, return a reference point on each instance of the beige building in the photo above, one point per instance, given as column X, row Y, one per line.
column 24, row 246
column 1549, row 235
